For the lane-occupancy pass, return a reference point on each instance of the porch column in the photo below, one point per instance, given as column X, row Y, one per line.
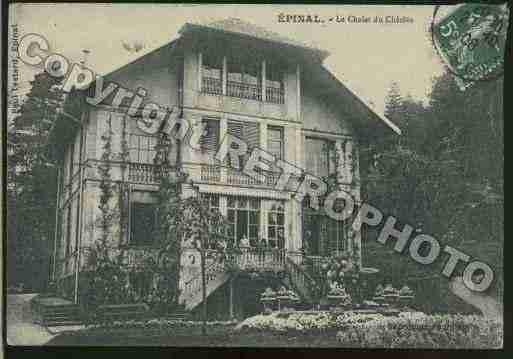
column 263, row 81
column 348, row 181
column 231, row 299
column 224, row 78
column 223, row 130
column 200, row 66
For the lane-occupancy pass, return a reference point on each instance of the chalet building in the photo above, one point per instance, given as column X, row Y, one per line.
column 235, row 78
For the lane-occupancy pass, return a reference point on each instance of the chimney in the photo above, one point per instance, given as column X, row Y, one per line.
column 85, row 55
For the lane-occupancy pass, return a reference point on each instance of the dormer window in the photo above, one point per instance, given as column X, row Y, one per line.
column 242, row 77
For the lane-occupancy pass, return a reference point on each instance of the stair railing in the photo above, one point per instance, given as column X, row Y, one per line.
column 301, row 280
column 194, row 285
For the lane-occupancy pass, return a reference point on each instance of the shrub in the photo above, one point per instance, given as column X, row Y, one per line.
column 408, row 330
column 423, row 331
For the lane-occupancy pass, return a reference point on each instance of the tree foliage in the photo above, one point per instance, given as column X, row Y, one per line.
column 31, row 190
column 443, row 176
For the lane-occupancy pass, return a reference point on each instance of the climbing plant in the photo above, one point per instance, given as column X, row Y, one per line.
column 107, row 278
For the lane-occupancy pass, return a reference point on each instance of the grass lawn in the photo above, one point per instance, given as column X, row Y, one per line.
column 191, row 337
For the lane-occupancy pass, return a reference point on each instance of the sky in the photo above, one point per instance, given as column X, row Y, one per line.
column 367, row 57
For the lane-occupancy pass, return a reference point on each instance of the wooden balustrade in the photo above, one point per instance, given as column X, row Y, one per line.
column 147, row 173
column 274, row 95
column 301, row 280
column 254, row 259
column 243, row 90
column 214, row 174
column 210, row 173
column 212, row 85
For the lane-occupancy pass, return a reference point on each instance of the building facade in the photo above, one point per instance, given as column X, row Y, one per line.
column 232, row 78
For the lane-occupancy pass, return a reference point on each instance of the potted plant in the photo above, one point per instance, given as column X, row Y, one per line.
column 405, row 296
column 378, row 295
column 286, row 297
column 390, row 294
column 338, row 297
column 268, row 298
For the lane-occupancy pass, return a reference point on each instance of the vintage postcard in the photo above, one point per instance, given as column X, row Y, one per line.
column 255, row 175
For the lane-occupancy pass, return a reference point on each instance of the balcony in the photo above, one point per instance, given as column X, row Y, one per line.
column 274, row 95
column 260, row 260
column 244, row 90
column 226, row 175
column 212, row 85
column 147, row 173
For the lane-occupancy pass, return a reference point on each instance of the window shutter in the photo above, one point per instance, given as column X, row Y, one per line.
column 251, row 134
column 210, row 140
column 248, row 132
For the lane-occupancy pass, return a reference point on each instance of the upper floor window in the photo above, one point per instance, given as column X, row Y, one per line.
column 244, row 79
column 212, row 73
column 142, row 148
column 209, row 141
column 275, row 141
column 249, row 132
column 319, row 155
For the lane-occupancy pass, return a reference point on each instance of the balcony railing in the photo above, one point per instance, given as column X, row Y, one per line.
column 242, row 90
column 254, row 259
column 211, row 173
column 219, row 174
column 274, row 95
column 212, row 85
column 147, row 173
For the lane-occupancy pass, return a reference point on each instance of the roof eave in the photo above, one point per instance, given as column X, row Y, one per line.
column 367, row 108
column 189, row 27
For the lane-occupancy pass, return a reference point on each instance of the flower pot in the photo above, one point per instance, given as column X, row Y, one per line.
column 283, row 301
column 268, row 303
column 405, row 300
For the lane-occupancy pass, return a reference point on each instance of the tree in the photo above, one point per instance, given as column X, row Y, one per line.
column 32, row 187
column 437, row 178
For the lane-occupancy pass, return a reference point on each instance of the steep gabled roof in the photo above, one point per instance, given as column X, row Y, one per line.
column 236, row 26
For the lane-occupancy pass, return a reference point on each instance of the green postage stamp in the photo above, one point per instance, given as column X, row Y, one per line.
column 471, row 41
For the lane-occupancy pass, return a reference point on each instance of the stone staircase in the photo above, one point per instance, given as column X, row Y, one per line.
column 301, row 281
column 215, row 276
column 54, row 311
column 296, row 278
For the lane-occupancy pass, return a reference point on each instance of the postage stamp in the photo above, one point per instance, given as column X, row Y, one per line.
column 238, row 175
column 471, row 41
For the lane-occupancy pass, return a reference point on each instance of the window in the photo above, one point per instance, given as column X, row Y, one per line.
column 244, row 79
column 142, row 148
column 275, row 141
column 212, row 74
column 274, row 84
column 276, row 225
column 243, row 219
column 143, row 223
column 322, row 235
column 319, row 156
column 209, row 141
column 249, row 132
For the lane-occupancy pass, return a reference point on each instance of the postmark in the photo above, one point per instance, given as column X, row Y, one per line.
column 471, row 40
